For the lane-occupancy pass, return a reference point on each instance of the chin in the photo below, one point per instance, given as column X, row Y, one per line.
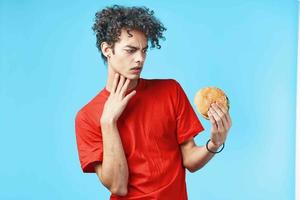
column 133, row 76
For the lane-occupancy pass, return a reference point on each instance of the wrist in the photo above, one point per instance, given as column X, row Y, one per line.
column 106, row 121
column 212, row 146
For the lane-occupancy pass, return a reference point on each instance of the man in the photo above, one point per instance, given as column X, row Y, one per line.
column 137, row 134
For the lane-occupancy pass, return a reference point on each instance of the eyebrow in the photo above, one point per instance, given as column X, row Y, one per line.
column 133, row 47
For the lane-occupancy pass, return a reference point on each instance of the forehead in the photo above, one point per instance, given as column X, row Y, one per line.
column 133, row 38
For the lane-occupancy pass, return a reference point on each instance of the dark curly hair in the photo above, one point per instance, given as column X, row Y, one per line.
column 110, row 20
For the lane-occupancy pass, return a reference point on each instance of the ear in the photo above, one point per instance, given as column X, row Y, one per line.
column 106, row 49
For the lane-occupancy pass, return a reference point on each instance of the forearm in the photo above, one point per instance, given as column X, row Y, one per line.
column 199, row 156
column 114, row 165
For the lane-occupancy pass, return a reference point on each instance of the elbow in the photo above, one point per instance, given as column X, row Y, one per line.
column 192, row 170
column 116, row 188
column 190, row 167
column 119, row 191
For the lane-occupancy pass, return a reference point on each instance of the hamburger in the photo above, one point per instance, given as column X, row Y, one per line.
column 208, row 95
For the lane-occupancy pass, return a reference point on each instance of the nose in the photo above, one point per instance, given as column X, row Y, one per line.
column 140, row 57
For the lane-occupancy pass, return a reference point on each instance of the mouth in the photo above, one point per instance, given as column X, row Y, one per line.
column 136, row 70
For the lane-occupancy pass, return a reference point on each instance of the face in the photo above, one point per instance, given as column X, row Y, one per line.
column 129, row 54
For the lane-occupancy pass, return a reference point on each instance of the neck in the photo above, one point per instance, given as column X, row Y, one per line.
column 110, row 78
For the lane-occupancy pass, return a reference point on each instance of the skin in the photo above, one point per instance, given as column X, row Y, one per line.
column 130, row 52
column 195, row 157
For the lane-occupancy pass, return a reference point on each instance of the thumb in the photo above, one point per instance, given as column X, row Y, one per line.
column 129, row 96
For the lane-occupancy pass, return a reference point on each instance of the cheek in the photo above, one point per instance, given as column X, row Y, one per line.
column 124, row 59
column 121, row 62
column 117, row 58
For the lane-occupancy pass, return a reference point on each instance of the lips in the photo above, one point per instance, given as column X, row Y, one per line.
column 136, row 68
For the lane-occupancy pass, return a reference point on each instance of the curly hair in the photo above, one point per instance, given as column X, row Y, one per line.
column 111, row 20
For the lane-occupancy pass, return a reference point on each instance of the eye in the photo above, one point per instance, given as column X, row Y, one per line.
column 130, row 50
column 145, row 50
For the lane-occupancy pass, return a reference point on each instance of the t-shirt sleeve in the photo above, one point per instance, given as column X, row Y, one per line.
column 188, row 124
column 89, row 142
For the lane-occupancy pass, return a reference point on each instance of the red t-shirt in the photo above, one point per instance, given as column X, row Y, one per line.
column 153, row 125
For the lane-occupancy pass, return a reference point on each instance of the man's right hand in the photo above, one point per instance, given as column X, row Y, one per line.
column 117, row 101
column 113, row 172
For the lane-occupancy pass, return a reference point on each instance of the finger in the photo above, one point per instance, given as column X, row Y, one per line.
column 218, row 119
column 221, row 114
column 221, row 107
column 226, row 111
column 125, row 87
column 212, row 121
column 129, row 96
column 121, row 83
column 115, row 82
column 229, row 119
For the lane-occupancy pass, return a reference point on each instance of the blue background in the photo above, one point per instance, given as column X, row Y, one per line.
column 50, row 68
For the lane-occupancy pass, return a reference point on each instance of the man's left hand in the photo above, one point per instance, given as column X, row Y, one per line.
column 221, row 123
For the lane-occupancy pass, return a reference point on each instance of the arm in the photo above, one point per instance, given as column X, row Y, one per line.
column 113, row 171
column 195, row 157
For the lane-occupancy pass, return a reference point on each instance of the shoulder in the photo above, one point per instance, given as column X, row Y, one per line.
column 91, row 111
